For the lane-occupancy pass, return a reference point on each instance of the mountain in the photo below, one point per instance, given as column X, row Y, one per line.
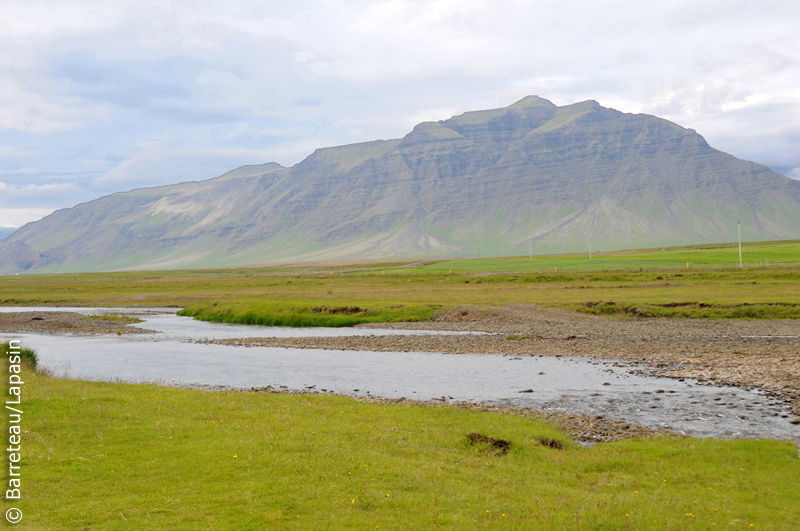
column 488, row 181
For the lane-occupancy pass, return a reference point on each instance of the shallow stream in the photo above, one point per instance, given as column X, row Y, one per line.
column 576, row 385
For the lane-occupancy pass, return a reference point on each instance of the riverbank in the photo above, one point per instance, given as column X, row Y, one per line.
column 584, row 429
column 121, row 456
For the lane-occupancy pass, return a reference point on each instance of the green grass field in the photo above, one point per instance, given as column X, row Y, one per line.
column 725, row 255
column 119, row 456
column 625, row 284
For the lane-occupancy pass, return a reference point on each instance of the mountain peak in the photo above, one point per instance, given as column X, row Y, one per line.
column 531, row 101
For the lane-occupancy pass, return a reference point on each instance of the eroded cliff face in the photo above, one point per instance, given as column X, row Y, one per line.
column 487, row 180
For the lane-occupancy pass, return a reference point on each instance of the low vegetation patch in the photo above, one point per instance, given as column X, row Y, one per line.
column 520, row 337
column 551, row 443
column 694, row 310
column 114, row 317
column 289, row 314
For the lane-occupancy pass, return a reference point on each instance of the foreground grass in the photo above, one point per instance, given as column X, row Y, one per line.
column 118, row 456
column 343, row 296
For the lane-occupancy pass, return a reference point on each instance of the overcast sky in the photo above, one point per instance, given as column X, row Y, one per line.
column 99, row 97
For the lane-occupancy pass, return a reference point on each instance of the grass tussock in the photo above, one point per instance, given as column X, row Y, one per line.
column 495, row 446
column 118, row 456
column 28, row 358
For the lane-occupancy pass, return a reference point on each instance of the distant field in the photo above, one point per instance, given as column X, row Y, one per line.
column 641, row 283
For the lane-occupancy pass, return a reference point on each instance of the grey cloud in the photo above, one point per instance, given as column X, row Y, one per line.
column 167, row 88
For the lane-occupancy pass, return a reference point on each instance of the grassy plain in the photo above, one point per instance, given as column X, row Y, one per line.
column 722, row 255
column 643, row 283
column 109, row 456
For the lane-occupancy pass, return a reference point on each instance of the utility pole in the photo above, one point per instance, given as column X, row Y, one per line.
column 590, row 249
column 739, row 230
column 530, row 249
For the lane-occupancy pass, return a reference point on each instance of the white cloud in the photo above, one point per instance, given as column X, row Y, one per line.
column 289, row 131
column 22, row 109
column 795, row 174
column 7, row 152
column 17, row 217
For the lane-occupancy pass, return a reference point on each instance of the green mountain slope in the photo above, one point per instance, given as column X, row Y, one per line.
column 497, row 181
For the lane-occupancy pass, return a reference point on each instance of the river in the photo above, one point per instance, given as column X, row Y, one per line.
column 576, row 385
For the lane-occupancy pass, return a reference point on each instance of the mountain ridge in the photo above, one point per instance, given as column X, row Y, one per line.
column 496, row 180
